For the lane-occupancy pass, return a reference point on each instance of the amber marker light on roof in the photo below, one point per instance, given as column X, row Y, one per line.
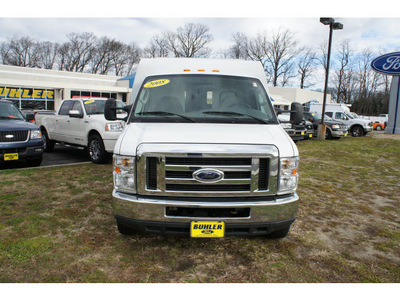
column 201, row 70
column 186, row 70
column 215, row 71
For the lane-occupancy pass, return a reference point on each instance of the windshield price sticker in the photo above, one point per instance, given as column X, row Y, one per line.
column 156, row 83
column 207, row 229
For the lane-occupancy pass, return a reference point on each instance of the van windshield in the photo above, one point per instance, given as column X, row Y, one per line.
column 203, row 98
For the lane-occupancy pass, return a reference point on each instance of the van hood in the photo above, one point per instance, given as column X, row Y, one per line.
column 135, row 134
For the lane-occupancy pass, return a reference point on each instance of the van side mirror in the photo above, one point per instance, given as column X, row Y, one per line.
column 296, row 113
column 110, row 110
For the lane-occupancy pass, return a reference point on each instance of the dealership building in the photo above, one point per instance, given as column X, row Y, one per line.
column 39, row 89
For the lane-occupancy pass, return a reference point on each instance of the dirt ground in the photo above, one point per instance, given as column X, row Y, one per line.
column 383, row 135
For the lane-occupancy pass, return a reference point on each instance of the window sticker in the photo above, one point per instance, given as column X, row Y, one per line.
column 156, row 83
column 89, row 101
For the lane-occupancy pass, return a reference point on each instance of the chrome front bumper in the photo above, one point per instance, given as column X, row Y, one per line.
column 152, row 209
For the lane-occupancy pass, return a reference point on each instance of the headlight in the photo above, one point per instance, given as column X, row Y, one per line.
column 114, row 126
column 124, row 173
column 286, row 125
column 335, row 126
column 288, row 177
column 36, row 134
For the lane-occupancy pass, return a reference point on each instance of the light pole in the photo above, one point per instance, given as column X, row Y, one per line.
column 332, row 26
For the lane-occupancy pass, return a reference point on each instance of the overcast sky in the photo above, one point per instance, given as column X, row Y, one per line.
column 366, row 25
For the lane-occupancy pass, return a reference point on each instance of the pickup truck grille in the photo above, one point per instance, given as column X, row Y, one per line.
column 174, row 173
column 13, row 136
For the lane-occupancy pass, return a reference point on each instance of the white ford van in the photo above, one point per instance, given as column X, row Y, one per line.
column 202, row 153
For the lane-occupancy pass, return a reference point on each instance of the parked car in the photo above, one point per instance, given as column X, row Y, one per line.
column 378, row 126
column 81, row 122
column 20, row 140
column 334, row 129
column 340, row 112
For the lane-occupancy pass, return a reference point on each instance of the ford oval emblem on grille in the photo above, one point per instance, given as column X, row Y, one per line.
column 208, row 175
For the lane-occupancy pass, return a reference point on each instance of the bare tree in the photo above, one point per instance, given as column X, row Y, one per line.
column 77, row 52
column 105, row 53
column 22, row 52
column 191, row 40
column 239, row 49
column 157, row 47
column 306, row 65
column 4, row 52
column 126, row 59
column 47, row 54
column 280, row 53
column 345, row 68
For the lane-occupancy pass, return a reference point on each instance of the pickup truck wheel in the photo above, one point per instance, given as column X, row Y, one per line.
column 279, row 234
column 96, row 151
column 357, row 131
column 48, row 144
column 379, row 128
column 328, row 134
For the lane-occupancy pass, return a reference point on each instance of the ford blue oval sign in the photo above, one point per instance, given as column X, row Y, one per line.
column 208, row 175
column 388, row 64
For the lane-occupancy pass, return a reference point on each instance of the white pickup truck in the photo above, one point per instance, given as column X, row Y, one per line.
column 81, row 122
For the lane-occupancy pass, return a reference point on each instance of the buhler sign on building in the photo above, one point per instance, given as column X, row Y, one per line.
column 25, row 93
column 389, row 64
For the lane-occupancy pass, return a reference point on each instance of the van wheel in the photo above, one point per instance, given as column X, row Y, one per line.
column 124, row 230
column 96, row 150
column 48, row 144
column 279, row 234
column 357, row 131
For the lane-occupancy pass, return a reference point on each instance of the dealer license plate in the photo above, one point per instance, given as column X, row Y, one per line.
column 11, row 156
column 207, row 229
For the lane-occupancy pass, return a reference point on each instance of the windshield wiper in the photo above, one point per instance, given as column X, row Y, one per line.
column 165, row 113
column 231, row 113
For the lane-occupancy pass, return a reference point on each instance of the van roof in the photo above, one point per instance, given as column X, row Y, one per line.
column 171, row 66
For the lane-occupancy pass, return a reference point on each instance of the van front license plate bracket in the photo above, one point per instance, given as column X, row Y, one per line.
column 207, row 229
column 10, row 156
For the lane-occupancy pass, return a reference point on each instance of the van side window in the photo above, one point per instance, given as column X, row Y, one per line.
column 329, row 114
column 64, row 109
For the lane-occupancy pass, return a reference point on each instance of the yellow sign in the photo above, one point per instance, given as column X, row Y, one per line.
column 156, row 83
column 22, row 93
column 11, row 156
column 207, row 229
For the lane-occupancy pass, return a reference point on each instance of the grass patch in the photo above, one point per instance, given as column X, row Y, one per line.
column 57, row 226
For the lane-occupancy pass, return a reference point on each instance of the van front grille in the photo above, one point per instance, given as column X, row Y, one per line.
column 232, row 174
